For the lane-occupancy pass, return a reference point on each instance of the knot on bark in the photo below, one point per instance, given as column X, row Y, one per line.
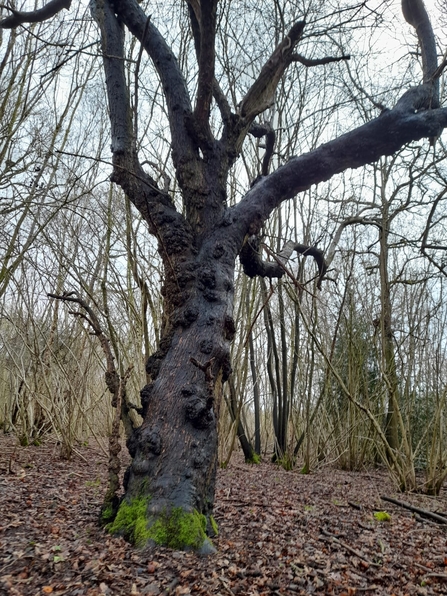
column 210, row 295
column 154, row 361
column 198, row 407
column 198, row 460
column 112, row 381
column 206, row 346
column 191, row 314
column 218, row 250
column 145, row 395
column 184, row 318
column 207, row 283
column 150, row 441
column 185, row 273
column 229, row 328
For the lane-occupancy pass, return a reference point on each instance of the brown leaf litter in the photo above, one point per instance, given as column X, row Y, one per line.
column 281, row 533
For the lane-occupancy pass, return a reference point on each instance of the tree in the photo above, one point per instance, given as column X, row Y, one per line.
column 170, row 483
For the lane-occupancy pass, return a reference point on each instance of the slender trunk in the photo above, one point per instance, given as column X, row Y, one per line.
column 273, row 375
column 254, row 376
column 256, row 398
column 235, row 413
column 388, row 357
column 284, row 395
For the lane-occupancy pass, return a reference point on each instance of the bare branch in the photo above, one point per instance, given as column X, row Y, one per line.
column 253, row 264
column 317, row 61
column 94, row 323
column 35, row 16
column 311, row 251
column 142, row 190
column 259, row 131
column 172, row 80
column 357, row 219
column 206, row 59
column 112, row 41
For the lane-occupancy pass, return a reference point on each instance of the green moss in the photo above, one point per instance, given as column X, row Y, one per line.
column 382, row 516
column 131, row 520
column 178, row 529
column 175, row 529
column 107, row 515
column 286, row 462
column 214, row 526
column 255, row 459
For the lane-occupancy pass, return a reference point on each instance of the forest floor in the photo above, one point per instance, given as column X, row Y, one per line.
column 280, row 533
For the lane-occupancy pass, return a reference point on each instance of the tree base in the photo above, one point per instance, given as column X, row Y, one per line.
column 174, row 528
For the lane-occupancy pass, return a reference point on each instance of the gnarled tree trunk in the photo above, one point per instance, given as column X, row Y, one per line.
column 174, row 451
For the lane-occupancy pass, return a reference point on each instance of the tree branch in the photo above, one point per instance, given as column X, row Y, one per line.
column 382, row 136
column 112, row 44
column 317, row 61
column 95, row 325
column 155, row 205
column 253, row 264
column 356, row 219
column 165, row 63
column 416, row 15
column 206, row 60
column 261, row 94
column 259, row 131
column 35, row 16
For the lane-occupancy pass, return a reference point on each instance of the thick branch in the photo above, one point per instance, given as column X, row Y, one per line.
column 112, row 42
column 253, row 264
column 220, row 98
column 172, row 80
column 382, row 136
column 206, row 59
column 261, row 94
column 155, row 205
column 416, row 15
column 35, row 16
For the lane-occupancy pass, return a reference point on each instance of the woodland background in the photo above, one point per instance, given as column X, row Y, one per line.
column 320, row 376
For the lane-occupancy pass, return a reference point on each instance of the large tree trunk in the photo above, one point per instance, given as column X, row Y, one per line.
column 170, row 483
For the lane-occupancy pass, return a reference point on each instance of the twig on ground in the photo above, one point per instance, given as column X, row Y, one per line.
column 358, row 507
column 353, row 551
column 438, row 518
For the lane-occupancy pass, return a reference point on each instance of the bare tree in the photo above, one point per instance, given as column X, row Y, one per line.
column 170, row 483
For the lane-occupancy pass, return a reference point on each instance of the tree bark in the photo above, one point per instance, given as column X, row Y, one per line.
column 174, row 452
